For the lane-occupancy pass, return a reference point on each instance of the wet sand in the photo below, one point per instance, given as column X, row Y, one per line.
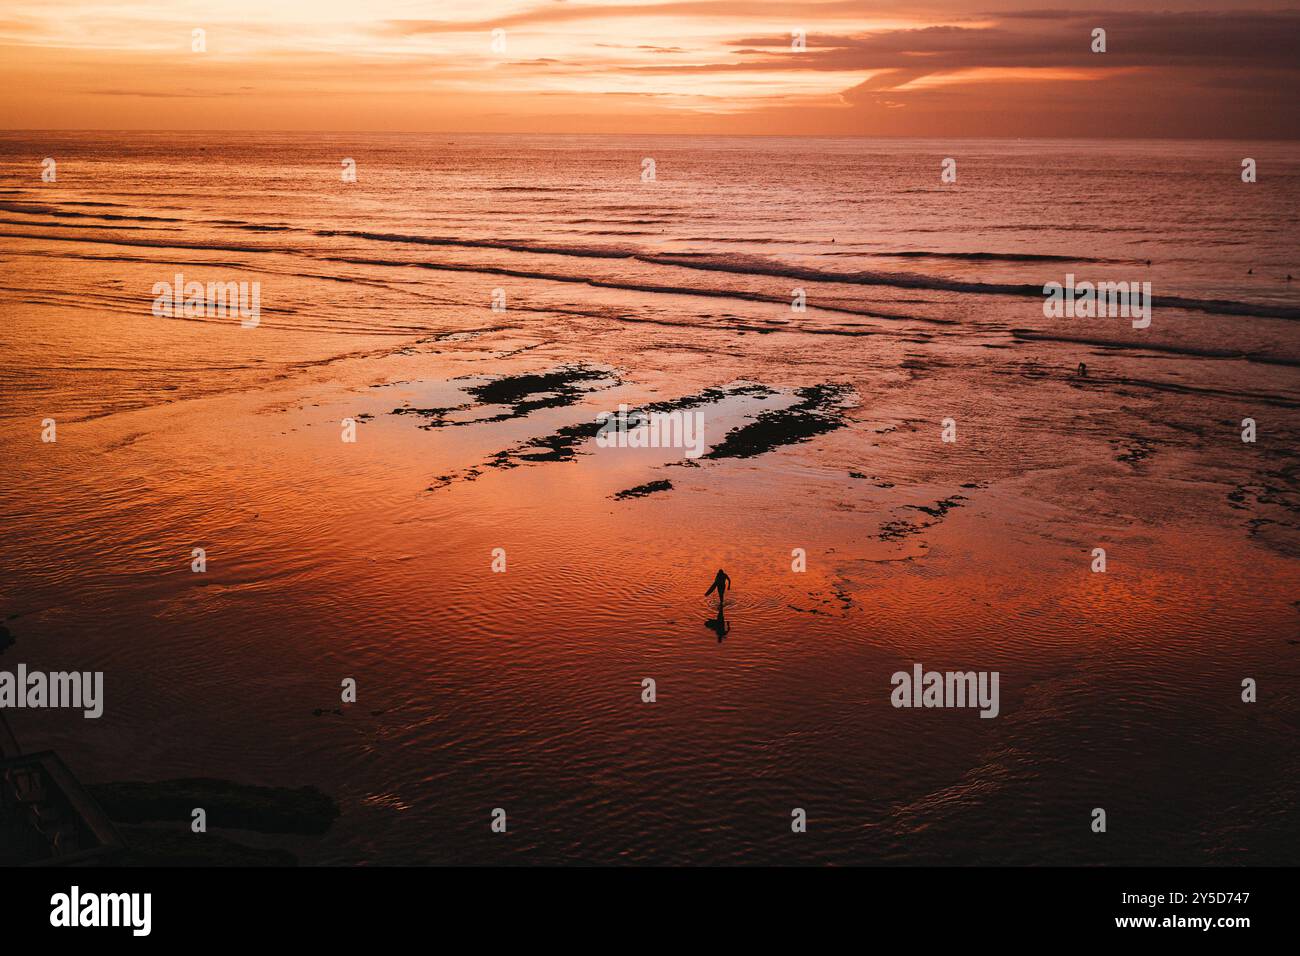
column 477, row 430
column 477, row 690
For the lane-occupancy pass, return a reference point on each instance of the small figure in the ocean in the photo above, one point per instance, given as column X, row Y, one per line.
column 720, row 584
column 1083, row 370
column 1250, row 271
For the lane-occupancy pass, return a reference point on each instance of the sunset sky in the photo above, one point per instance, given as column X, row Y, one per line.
column 926, row 67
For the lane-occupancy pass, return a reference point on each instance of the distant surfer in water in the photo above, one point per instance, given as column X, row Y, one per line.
column 720, row 584
column 1083, row 370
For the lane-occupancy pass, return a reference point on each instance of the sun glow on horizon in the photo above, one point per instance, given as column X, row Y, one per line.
column 922, row 68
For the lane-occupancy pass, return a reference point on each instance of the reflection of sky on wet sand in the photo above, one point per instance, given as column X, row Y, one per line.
column 523, row 689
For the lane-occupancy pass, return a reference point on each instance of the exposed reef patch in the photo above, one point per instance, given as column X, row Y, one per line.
column 818, row 411
column 900, row 528
column 649, row 488
column 562, row 444
column 520, row 394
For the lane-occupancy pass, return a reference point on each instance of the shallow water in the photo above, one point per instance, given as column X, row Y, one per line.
column 522, row 690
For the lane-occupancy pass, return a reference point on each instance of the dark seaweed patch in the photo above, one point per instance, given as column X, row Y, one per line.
column 840, row 595
column 708, row 396
column 1274, row 501
column 816, row 413
column 649, row 488
column 941, row 508
column 900, row 528
column 562, row 445
column 522, row 393
column 1141, row 450
column 436, row 416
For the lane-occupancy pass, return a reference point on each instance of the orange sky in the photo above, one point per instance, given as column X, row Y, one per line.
column 927, row 67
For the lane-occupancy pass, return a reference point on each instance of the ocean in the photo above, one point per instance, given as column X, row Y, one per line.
column 883, row 400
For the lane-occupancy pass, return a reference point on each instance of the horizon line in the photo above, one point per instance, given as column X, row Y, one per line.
column 731, row 135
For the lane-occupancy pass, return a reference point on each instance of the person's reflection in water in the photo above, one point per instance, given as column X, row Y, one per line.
column 718, row 625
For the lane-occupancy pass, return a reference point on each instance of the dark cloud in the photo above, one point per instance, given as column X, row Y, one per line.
column 1052, row 39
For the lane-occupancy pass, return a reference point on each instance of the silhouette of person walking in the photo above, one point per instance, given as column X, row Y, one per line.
column 720, row 584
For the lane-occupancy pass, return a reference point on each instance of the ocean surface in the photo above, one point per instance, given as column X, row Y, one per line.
column 373, row 560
